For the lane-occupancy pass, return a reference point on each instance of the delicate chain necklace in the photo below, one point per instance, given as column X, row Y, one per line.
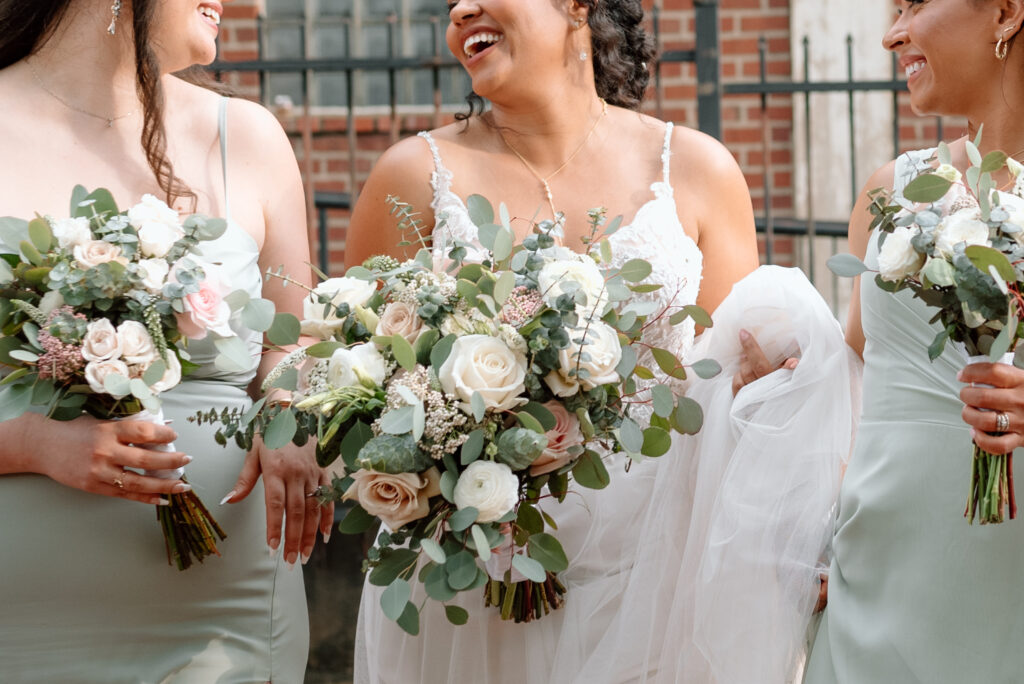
column 109, row 119
column 544, row 180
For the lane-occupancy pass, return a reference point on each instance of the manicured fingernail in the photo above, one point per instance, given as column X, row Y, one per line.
column 274, row 543
column 290, row 561
column 226, row 498
column 182, row 488
column 305, row 558
column 327, row 534
column 974, row 433
column 163, row 502
column 744, row 335
column 187, row 458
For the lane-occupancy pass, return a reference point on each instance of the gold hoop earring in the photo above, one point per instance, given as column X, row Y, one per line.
column 1002, row 47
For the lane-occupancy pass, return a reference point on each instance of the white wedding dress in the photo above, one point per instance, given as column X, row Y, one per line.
column 699, row 566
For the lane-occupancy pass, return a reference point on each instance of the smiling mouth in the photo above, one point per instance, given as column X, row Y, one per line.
column 479, row 42
column 913, row 68
column 211, row 14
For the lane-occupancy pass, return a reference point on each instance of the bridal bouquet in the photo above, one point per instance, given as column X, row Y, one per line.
column 91, row 309
column 458, row 400
column 957, row 243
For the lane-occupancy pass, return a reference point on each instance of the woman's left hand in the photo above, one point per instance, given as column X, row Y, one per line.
column 1004, row 397
column 291, row 478
column 754, row 364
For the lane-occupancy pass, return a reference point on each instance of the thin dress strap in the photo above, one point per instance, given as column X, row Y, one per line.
column 666, row 153
column 222, row 128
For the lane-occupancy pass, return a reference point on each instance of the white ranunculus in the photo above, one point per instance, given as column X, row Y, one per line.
column 484, row 364
column 95, row 371
column 95, row 252
column 961, row 227
column 70, row 232
column 897, row 258
column 491, row 488
column 153, row 273
column 156, row 239
column 136, row 345
column 569, row 275
column 351, row 291
column 171, row 377
column 101, row 342
column 360, row 364
column 603, row 353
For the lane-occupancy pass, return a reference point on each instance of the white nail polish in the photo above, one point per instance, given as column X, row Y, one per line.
column 327, row 534
column 163, row 502
column 182, row 488
column 225, row 499
column 273, row 552
column 188, row 458
column 305, row 558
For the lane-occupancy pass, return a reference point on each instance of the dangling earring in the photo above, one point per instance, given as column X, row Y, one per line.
column 115, row 10
column 1002, row 46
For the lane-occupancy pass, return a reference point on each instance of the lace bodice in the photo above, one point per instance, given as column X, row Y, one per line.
column 655, row 235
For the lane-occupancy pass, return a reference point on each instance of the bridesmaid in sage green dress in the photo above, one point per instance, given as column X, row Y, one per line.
column 87, row 594
column 915, row 593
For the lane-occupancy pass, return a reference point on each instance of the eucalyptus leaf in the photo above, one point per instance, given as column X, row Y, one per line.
column 927, row 188
column 846, row 265
column 529, row 422
column 1003, row 340
column 663, row 401
column 480, row 210
column 393, row 454
column 543, row 415
column 448, row 481
column 461, row 569
column 476, row 403
column 40, row 235
column 503, row 288
column 285, row 330
column 155, row 371
column 258, row 315
column 939, row 271
column 529, row 518
column 403, row 352
column 635, row 270
column 627, row 362
column 688, row 416
column 590, row 471
column 993, row 161
column 529, row 568
column 394, row 598
column 657, row 442
column 439, row 354
column 237, row 299
column 630, row 435
column 410, row 620
column 483, row 550
column 360, row 273
column 397, row 563
column 548, row 551
column 456, row 615
column 117, row 385
column 233, row 355
column 354, row 440
column 461, row 519
column 424, row 344
column 707, row 368
column 504, row 241
column 983, row 257
column 472, row 447
column 280, row 431
column 433, row 551
column 323, row 350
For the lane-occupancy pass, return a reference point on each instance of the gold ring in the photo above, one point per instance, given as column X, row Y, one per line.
column 1002, row 422
column 119, row 480
column 313, row 493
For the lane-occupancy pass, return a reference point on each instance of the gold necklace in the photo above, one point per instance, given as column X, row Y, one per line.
column 544, row 180
column 109, row 119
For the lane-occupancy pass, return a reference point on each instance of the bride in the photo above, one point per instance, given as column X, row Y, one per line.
column 565, row 79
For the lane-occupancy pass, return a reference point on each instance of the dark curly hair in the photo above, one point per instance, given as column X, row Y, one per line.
column 623, row 52
column 27, row 25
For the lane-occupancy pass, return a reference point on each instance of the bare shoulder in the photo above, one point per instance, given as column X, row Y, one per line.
column 403, row 171
column 701, row 161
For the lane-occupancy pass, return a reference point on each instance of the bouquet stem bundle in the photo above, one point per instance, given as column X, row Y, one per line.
column 525, row 601
column 189, row 529
column 991, row 487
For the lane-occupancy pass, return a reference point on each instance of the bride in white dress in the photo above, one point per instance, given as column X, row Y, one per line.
column 564, row 79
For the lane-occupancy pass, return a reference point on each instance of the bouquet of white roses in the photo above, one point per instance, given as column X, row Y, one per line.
column 458, row 400
column 91, row 309
column 957, row 243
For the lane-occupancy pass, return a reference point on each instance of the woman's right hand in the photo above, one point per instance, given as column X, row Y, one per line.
column 91, row 455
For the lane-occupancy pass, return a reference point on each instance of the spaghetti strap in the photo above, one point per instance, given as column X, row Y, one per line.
column 441, row 178
column 222, row 129
column 666, row 153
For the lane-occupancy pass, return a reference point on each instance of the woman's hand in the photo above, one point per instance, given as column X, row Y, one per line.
column 822, row 593
column 754, row 364
column 984, row 405
column 291, row 478
column 92, row 455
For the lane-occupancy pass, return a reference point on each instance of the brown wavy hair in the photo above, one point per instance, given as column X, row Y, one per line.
column 27, row 25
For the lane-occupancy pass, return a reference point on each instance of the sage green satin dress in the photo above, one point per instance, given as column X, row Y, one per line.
column 915, row 593
column 86, row 594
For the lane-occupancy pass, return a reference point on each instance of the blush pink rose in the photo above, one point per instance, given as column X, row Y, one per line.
column 205, row 311
column 561, row 440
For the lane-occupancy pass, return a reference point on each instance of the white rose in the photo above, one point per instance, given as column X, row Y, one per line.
column 351, row 291
column 603, row 355
column 153, row 273
column 136, row 345
column 491, row 488
column 897, row 258
column 71, row 232
column 151, row 209
column 963, row 226
column 156, row 239
column 95, row 371
column 359, row 364
column 949, row 172
column 95, row 252
column 400, row 318
column 484, row 364
column 101, row 342
column 567, row 276
column 171, row 377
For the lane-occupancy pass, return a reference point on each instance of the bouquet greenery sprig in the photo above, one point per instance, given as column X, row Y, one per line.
column 957, row 243
column 459, row 396
column 95, row 311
